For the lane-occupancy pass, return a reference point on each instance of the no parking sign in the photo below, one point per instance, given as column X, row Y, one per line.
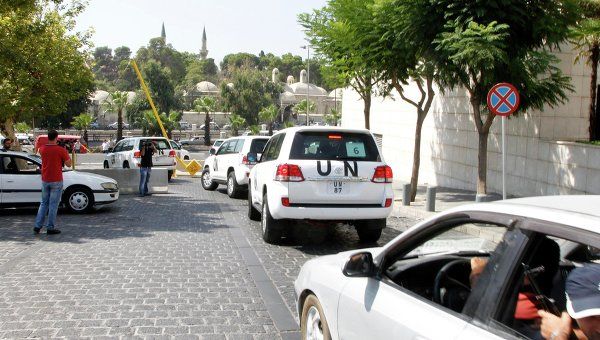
column 503, row 99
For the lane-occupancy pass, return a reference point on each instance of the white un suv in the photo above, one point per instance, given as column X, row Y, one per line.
column 231, row 164
column 321, row 173
column 126, row 154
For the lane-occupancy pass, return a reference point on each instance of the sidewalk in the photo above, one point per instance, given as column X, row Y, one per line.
column 446, row 198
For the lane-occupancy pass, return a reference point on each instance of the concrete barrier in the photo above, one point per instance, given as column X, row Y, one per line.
column 129, row 179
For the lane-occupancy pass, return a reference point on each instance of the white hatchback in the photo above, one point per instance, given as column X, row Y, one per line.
column 126, row 154
column 321, row 173
column 21, row 183
column 480, row 271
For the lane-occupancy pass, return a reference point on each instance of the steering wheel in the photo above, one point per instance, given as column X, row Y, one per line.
column 457, row 296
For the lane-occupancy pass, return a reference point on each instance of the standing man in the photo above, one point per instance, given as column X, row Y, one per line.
column 54, row 157
column 6, row 144
column 146, row 151
column 104, row 146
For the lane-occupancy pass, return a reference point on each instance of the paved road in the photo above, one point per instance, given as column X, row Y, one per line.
column 188, row 264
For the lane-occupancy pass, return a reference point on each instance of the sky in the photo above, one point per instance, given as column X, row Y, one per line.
column 231, row 25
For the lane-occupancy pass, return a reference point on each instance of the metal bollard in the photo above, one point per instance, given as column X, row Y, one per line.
column 406, row 194
column 430, row 202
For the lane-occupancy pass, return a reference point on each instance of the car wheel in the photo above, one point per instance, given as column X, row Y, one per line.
column 106, row 165
column 253, row 213
column 313, row 325
column 186, row 158
column 126, row 165
column 79, row 199
column 233, row 188
column 271, row 228
column 207, row 182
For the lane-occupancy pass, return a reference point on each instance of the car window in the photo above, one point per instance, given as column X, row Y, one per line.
column 232, row 146
column 275, row 147
column 223, row 148
column 239, row 145
column 258, row 145
column 118, row 147
column 322, row 145
column 128, row 145
column 445, row 268
column 218, row 143
column 19, row 165
column 159, row 143
column 538, row 282
column 175, row 146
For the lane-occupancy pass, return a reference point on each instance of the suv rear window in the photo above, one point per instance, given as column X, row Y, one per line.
column 161, row 144
column 258, row 145
column 323, row 145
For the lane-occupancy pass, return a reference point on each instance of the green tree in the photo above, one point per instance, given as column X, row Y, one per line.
column 333, row 118
column 103, row 64
column 251, row 92
column 117, row 102
column 22, row 127
column 83, row 122
column 237, row 122
column 166, row 56
column 42, row 67
column 254, row 130
column 161, row 87
column 269, row 115
column 207, row 105
column 586, row 38
column 236, row 61
column 300, row 107
column 332, row 31
column 482, row 43
column 170, row 122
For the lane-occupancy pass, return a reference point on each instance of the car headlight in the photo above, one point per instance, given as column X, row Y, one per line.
column 109, row 186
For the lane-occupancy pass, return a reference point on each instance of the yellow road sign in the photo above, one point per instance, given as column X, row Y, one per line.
column 193, row 167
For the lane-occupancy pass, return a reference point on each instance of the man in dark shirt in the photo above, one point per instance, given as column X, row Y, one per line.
column 147, row 149
column 53, row 158
column 6, row 144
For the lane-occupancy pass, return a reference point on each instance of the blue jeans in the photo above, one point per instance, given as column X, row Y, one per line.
column 51, row 192
column 144, row 179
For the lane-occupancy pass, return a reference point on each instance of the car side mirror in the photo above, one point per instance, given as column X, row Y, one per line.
column 212, row 151
column 360, row 265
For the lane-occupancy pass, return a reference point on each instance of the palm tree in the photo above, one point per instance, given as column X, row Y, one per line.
column 268, row 115
column 586, row 38
column 236, row 122
column 288, row 124
column 300, row 108
column 333, row 118
column 170, row 123
column 117, row 101
column 82, row 122
column 254, row 129
column 207, row 105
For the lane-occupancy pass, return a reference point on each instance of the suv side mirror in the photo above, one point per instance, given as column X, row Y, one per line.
column 212, row 151
column 360, row 265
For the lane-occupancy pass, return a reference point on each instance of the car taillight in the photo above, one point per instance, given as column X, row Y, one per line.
column 383, row 174
column 246, row 161
column 285, row 201
column 137, row 154
column 289, row 173
column 388, row 202
column 172, row 153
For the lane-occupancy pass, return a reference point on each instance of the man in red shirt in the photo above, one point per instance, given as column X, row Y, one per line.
column 54, row 157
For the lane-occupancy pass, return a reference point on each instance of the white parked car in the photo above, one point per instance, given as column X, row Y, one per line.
column 232, row 163
column 217, row 143
column 21, row 185
column 321, row 173
column 126, row 154
column 472, row 272
column 179, row 151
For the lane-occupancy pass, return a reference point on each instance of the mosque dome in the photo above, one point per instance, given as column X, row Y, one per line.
column 206, row 86
column 303, row 87
column 287, row 97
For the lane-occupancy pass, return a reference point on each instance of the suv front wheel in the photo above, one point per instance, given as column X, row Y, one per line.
column 207, row 182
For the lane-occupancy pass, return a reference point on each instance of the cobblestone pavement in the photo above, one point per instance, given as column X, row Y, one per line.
column 168, row 266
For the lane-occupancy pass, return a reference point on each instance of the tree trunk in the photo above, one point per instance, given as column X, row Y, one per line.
column 270, row 129
column 8, row 129
column 414, row 179
column 207, row 129
column 367, row 110
column 85, row 136
column 482, row 163
column 594, row 123
column 119, row 124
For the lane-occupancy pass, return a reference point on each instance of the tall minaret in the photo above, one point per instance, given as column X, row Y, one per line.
column 163, row 33
column 203, row 51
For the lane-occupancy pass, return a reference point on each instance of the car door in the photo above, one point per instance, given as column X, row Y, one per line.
column 397, row 304
column 21, row 180
column 267, row 166
column 114, row 160
column 219, row 157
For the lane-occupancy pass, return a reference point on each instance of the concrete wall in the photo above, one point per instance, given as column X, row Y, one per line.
column 129, row 179
column 539, row 161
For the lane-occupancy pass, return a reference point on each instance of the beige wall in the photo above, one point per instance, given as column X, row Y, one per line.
column 539, row 162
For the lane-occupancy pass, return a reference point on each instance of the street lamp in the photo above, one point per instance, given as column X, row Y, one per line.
column 307, row 48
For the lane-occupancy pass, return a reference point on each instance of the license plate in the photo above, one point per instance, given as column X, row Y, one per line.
column 337, row 188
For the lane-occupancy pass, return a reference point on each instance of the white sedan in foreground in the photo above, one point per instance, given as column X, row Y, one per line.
column 21, row 183
column 469, row 273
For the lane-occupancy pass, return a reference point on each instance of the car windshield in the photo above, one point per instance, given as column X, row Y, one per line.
column 322, row 145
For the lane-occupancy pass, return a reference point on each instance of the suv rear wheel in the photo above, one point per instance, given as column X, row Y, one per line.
column 370, row 231
column 253, row 214
column 233, row 188
column 271, row 228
